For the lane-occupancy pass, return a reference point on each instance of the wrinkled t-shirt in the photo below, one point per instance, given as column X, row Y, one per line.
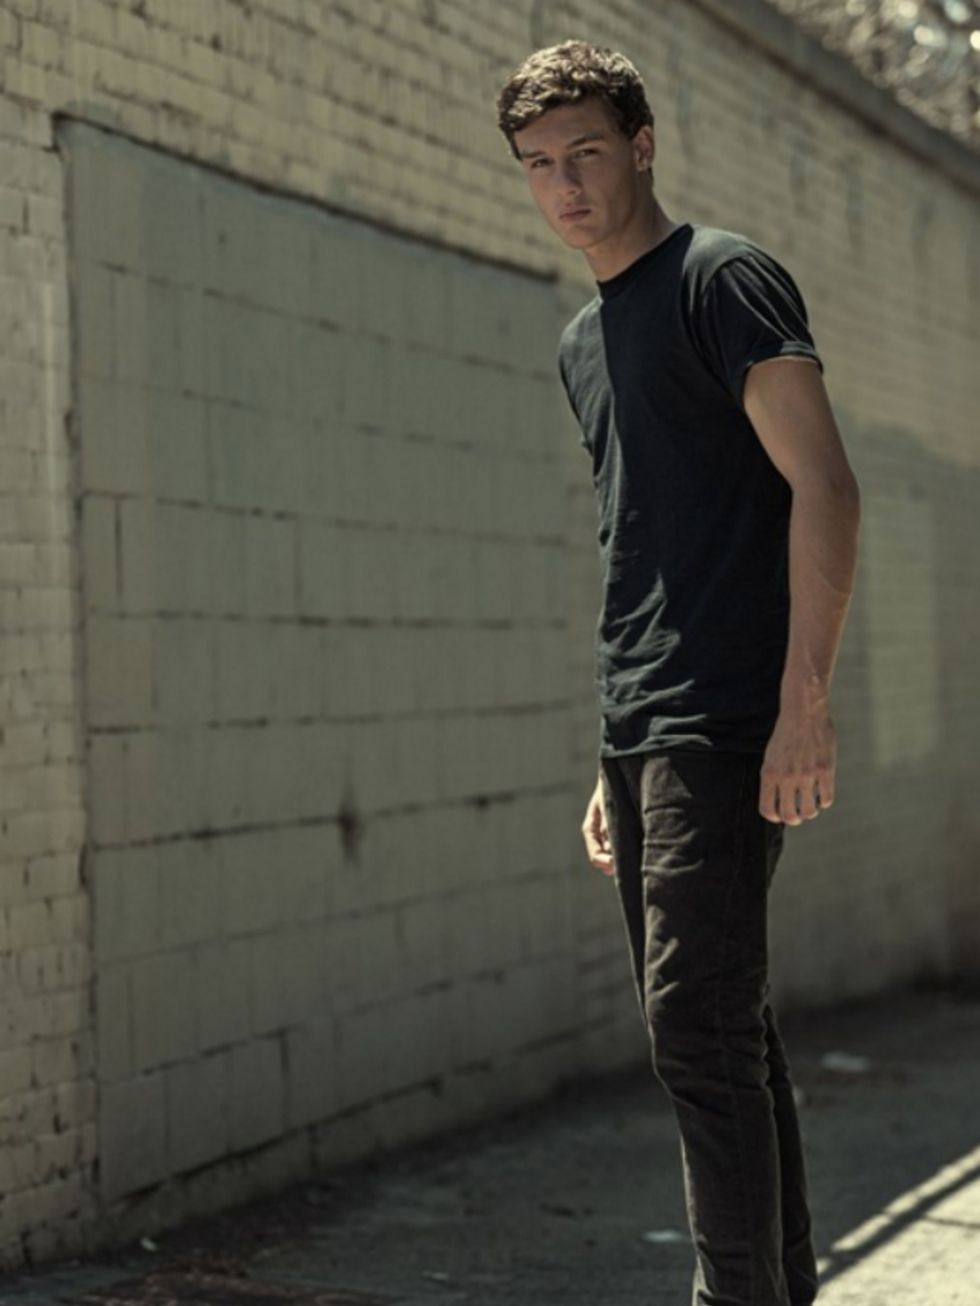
column 693, row 515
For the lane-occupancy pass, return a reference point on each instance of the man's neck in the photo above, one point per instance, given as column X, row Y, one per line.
column 608, row 260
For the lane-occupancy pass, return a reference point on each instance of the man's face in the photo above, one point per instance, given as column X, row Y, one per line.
column 584, row 174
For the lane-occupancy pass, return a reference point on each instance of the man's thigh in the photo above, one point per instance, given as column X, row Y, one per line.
column 693, row 868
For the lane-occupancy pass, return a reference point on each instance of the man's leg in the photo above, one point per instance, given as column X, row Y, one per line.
column 693, row 864
column 799, row 1261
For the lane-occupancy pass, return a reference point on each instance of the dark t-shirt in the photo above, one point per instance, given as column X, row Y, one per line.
column 693, row 515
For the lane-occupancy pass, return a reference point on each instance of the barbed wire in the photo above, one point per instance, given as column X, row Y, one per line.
column 926, row 53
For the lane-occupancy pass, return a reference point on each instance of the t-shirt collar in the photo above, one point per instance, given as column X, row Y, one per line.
column 617, row 284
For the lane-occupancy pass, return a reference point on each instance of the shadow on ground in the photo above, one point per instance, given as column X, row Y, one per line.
column 579, row 1199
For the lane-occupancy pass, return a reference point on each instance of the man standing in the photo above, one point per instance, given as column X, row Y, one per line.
column 728, row 525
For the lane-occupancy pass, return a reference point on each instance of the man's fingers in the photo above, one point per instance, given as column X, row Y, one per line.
column 797, row 772
column 816, row 793
column 807, row 801
column 788, row 813
column 825, row 788
column 794, row 799
column 597, row 845
column 768, row 791
column 599, row 853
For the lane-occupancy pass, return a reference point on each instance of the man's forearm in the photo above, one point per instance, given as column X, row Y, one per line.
column 823, row 541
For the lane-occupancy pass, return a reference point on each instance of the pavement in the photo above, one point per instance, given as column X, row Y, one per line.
column 579, row 1200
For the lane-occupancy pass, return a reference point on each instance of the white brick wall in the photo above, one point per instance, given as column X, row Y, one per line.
column 354, row 563
column 46, row 1044
column 257, row 652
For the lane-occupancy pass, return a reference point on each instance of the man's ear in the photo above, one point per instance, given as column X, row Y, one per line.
column 644, row 147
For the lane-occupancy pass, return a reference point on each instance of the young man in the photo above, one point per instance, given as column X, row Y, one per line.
column 728, row 524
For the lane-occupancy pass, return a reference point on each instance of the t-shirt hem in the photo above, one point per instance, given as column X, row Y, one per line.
column 781, row 349
column 658, row 746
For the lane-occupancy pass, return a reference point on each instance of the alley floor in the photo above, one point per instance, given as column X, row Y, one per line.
column 579, row 1200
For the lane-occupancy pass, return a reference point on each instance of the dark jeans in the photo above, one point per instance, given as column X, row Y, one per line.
column 694, row 862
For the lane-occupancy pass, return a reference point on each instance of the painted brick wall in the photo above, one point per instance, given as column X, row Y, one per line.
column 132, row 990
column 47, row 1091
column 322, row 566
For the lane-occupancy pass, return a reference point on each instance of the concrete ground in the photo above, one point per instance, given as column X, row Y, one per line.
column 579, row 1200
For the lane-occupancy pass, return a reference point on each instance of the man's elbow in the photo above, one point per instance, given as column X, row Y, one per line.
column 837, row 484
column 846, row 488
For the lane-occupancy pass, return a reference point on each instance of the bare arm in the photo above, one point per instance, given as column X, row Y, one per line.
column 787, row 403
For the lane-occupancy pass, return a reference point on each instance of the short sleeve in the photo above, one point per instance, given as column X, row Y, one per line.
column 750, row 310
column 571, row 403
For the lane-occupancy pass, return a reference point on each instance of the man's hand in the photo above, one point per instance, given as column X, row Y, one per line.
column 596, row 834
column 797, row 778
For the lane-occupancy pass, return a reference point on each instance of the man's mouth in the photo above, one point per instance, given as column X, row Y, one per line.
column 569, row 215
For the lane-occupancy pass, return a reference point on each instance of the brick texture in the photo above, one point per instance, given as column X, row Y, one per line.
column 298, row 580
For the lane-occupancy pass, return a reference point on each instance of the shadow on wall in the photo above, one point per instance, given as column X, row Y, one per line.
column 887, row 888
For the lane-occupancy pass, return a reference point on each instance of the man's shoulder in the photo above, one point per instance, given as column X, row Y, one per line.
column 711, row 247
column 705, row 250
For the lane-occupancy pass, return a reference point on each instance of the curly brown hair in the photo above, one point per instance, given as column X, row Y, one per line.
column 565, row 74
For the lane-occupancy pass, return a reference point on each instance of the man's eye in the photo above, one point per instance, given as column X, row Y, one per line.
column 537, row 162
column 585, row 151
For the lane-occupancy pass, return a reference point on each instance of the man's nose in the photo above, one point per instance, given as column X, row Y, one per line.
column 567, row 177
